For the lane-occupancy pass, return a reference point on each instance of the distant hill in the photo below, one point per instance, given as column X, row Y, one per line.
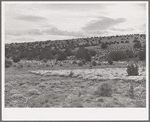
column 36, row 49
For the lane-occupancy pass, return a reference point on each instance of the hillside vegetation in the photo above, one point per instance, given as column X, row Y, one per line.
column 88, row 72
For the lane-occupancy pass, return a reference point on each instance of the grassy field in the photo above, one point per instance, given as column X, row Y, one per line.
column 47, row 86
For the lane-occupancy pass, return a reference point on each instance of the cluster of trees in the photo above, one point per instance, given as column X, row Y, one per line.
column 47, row 54
column 85, row 54
column 121, row 55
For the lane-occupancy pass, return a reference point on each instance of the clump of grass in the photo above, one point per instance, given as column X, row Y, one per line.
column 132, row 69
column 32, row 92
column 77, row 105
column 104, row 90
column 17, row 96
column 131, row 91
column 14, row 91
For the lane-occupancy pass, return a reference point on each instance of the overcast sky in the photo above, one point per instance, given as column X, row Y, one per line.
column 26, row 22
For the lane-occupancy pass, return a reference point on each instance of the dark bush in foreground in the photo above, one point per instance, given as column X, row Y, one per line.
column 117, row 55
column 94, row 63
column 132, row 69
column 16, row 59
column 104, row 90
column 110, row 61
column 8, row 63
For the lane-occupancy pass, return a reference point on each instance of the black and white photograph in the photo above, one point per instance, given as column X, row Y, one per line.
column 75, row 59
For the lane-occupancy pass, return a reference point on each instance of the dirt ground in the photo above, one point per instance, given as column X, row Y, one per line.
column 70, row 86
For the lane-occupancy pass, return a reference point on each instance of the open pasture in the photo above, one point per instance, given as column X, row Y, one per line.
column 41, row 85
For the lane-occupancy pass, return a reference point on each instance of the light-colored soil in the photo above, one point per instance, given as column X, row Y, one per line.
column 73, row 87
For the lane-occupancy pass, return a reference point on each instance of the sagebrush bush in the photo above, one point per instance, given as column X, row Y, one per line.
column 129, row 53
column 33, row 92
column 70, row 74
column 94, row 63
column 103, row 45
column 45, row 60
column 110, row 61
column 137, row 45
column 104, row 90
column 83, row 61
column 142, row 55
column 62, row 56
column 132, row 69
column 80, row 63
column 83, row 53
column 19, row 66
column 17, row 96
column 74, row 62
column 98, row 63
column 16, row 59
column 8, row 63
column 131, row 91
column 117, row 55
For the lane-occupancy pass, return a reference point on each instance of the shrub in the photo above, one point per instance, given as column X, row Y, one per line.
column 142, row 55
column 132, row 69
column 129, row 53
column 92, row 52
column 8, row 63
column 83, row 53
column 17, row 96
column 137, row 45
column 103, row 45
column 110, row 61
column 62, row 56
column 98, row 63
column 16, row 59
column 68, row 52
column 70, row 74
column 74, row 62
column 83, row 61
column 131, row 91
column 33, row 92
column 45, row 60
column 117, row 55
column 19, row 66
column 80, row 63
column 76, row 104
column 94, row 63
column 104, row 90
